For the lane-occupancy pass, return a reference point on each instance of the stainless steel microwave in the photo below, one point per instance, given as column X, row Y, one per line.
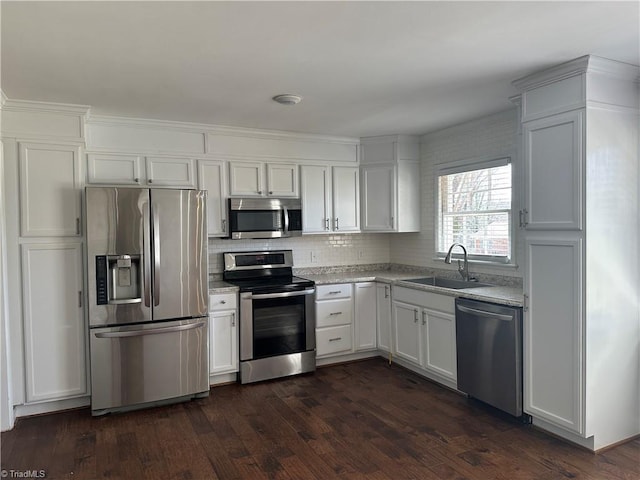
column 264, row 218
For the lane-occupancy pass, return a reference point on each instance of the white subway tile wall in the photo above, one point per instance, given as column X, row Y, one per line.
column 491, row 136
column 311, row 250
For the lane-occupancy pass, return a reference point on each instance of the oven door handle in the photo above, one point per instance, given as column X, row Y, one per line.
column 261, row 296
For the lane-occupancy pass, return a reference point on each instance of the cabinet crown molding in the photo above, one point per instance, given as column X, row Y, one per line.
column 49, row 107
column 578, row 66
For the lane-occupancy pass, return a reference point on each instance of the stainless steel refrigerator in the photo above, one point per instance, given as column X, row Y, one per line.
column 148, row 296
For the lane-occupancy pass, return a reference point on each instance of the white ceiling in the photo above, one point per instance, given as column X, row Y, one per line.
column 363, row 68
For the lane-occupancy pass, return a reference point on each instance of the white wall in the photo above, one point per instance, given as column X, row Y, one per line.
column 329, row 250
column 493, row 136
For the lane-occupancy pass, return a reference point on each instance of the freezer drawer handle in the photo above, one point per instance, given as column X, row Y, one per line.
column 152, row 331
column 284, row 294
column 482, row 313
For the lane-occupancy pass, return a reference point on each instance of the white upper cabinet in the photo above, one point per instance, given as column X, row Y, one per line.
column 553, row 162
column 390, row 172
column 282, row 180
column 114, row 169
column 258, row 179
column 378, row 194
column 50, row 190
column 330, row 200
column 316, row 198
column 211, row 177
column 171, row 172
column 346, row 199
column 123, row 169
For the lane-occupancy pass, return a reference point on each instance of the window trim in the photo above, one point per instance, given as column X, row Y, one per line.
column 477, row 163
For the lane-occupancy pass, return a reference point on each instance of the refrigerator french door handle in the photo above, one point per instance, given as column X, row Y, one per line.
column 150, row 331
column 146, row 241
column 156, row 256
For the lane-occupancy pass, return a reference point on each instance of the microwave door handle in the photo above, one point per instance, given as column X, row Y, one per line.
column 156, row 256
column 286, row 221
column 146, row 254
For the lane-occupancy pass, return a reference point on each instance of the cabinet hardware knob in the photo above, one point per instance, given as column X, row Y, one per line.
column 233, row 319
column 335, row 339
column 424, row 318
column 335, row 313
column 337, row 224
column 259, row 192
column 334, row 292
column 136, row 180
column 80, row 299
column 224, row 226
column 270, row 192
column 386, row 291
column 223, row 302
column 78, row 226
column 326, row 221
column 525, row 302
column 150, row 180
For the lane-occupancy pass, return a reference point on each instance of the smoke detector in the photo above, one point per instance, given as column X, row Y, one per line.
column 287, row 99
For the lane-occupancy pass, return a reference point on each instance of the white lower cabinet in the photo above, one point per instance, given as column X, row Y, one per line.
column 365, row 316
column 54, row 327
column 223, row 333
column 424, row 328
column 334, row 319
column 345, row 318
column 552, row 347
column 407, row 332
column 383, row 316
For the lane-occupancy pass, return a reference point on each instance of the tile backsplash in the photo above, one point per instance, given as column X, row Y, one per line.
column 311, row 250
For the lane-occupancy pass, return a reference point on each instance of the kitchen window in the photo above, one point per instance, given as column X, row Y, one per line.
column 474, row 209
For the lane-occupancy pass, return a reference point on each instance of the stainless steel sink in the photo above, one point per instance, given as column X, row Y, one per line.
column 447, row 283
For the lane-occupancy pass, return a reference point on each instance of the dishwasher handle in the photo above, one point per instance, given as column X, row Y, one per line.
column 482, row 313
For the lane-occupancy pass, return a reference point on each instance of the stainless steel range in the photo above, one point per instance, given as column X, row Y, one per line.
column 277, row 315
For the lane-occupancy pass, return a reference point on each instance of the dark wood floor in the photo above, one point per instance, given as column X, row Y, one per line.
column 363, row 420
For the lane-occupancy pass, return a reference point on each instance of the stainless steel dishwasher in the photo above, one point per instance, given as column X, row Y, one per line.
column 489, row 351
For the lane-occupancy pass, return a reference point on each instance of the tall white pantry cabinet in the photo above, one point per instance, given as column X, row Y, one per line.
column 582, row 272
column 43, row 182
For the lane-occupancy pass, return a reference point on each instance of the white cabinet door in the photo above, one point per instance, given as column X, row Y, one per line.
column 282, row 180
column 346, row 199
column 110, row 169
column 378, row 198
column 170, row 172
column 553, row 331
column 54, row 328
column 440, row 343
column 365, row 316
column 407, row 332
column 246, row 179
column 553, row 162
column 50, row 186
column 383, row 313
column 223, row 345
column 316, row 198
column 211, row 178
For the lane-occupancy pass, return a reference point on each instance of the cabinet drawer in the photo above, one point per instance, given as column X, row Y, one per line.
column 336, row 312
column 223, row 301
column 332, row 340
column 329, row 292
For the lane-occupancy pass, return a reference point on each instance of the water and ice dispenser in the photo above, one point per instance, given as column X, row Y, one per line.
column 118, row 279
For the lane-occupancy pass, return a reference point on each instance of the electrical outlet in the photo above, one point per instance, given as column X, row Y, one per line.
column 314, row 257
column 360, row 254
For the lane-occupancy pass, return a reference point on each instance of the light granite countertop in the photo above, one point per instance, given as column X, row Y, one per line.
column 504, row 295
